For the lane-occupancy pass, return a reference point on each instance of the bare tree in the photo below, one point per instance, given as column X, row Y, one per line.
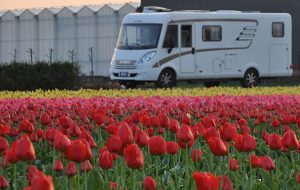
column 91, row 60
column 14, row 55
column 30, row 52
column 72, row 54
column 50, row 56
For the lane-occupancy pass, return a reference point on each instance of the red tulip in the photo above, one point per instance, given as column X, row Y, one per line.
column 289, row 140
column 39, row 132
column 211, row 132
column 245, row 143
column 149, row 183
column 196, row 155
column 45, row 119
column 3, row 183
column 58, row 166
column 233, row 164
column 141, row 138
column 99, row 117
column 113, row 186
column 26, row 126
column 275, row 123
column 14, row 132
column 217, row 146
column 105, row 159
column 125, row 134
column 274, row 141
column 298, row 178
column 41, row 182
column 134, row 156
column 4, row 130
column 245, row 130
column 267, row 163
column 78, row 151
column 31, row 171
column 157, row 145
column 114, row 144
column 242, row 122
column 255, row 161
column 227, row 185
column 71, row 169
column 228, row 132
column 3, row 145
column 61, row 141
column 206, row 181
column 172, row 147
column 86, row 166
column 24, row 149
column 174, row 126
column 49, row 134
column 184, row 134
column 185, row 145
column 65, row 122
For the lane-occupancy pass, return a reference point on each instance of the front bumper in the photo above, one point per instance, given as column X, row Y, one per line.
column 150, row 74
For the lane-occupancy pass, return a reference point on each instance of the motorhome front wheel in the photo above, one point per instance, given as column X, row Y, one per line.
column 166, row 79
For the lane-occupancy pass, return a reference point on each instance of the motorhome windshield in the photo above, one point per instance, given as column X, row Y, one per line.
column 139, row 36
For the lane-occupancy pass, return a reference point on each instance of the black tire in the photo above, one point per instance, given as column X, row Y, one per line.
column 128, row 84
column 212, row 84
column 251, row 79
column 166, row 79
column 131, row 85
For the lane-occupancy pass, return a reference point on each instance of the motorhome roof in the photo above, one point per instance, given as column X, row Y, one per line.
column 163, row 17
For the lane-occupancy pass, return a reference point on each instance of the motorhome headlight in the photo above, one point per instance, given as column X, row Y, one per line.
column 147, row 57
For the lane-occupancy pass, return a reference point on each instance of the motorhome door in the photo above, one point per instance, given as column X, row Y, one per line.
column 187, row 48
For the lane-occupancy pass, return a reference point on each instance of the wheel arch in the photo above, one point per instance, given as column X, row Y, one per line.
column 169, row 68
column 252, row 68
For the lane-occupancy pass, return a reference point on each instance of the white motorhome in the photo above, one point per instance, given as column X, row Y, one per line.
column 164, row 47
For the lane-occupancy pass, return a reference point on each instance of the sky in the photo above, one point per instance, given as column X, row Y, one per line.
column 20, row 4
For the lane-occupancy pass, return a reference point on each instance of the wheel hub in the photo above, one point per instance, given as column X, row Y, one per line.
column 251, row 79
column 166, row 79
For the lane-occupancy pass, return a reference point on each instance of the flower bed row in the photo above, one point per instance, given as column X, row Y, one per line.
column 220, row 142
column 196, row 91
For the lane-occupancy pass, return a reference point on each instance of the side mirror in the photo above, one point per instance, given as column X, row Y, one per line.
column 170, row 46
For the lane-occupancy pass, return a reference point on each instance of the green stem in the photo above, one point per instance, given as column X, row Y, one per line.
column 68, row 182
column 133, row 179
column 53, row 162
column 123, row 174
column 78, row 178
column 15, row 176
column 85, row 177
column 186, row 167
column 156, row 168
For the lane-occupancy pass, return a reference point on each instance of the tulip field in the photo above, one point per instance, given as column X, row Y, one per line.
column 172, row 139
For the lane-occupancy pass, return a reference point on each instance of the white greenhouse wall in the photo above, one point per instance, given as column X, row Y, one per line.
column 78, row 31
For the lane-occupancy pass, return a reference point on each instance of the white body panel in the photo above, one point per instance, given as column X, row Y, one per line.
column 247, row 42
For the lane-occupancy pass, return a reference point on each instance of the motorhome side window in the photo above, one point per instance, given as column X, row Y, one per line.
column 211, row 33
column 277, row 29
column 186, row 36
column 171, row 37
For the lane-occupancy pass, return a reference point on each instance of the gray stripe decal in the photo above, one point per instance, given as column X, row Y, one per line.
column 176, row 55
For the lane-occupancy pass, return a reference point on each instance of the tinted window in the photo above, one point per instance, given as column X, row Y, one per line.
column 212, row 33
column 277, row 29
column 171, row 38
column 186, row 36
